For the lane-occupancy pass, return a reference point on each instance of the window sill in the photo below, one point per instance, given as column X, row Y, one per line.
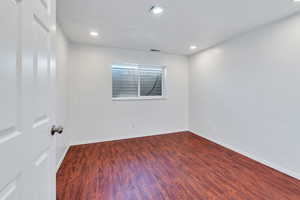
column 138, row 98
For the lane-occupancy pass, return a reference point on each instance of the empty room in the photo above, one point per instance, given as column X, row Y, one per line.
column 150, row 100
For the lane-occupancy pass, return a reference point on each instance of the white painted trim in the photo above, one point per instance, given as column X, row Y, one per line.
column 254, row 157
column 62, row 157
column 139, row 98
column 122, row 138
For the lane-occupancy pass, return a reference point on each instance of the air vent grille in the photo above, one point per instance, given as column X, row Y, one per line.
column 155, row 50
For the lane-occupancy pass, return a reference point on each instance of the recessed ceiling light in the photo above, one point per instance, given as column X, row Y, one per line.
column 156, row 10
column 193, row 47
column 94, row 33
column 297, row 1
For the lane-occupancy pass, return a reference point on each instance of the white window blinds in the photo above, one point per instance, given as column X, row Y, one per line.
column 125, row 82
column 151, row 82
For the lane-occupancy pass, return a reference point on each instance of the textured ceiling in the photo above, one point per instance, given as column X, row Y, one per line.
column 128, row 24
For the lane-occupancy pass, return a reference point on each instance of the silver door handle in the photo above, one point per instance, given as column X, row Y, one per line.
column 57, row 129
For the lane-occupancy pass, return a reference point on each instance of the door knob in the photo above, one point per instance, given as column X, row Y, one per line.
column 57, row 129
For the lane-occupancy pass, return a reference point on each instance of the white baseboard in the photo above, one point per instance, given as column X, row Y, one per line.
column 254, row 157
column 62, row 158
column 121, row 138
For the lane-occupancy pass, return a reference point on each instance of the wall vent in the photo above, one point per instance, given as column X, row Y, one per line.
column 155, row 50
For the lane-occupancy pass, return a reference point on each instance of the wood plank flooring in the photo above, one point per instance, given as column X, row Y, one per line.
column 179, row 166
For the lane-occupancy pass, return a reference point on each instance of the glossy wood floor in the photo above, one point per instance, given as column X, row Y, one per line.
column 180, row 166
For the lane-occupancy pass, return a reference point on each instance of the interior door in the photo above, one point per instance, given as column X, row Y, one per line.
column 27, row 74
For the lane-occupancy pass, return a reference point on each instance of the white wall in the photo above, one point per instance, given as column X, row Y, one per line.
column 93, row 114
column 62, row 141
column 245, row 94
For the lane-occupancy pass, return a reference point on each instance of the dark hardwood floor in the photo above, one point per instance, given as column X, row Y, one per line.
column 179, row 166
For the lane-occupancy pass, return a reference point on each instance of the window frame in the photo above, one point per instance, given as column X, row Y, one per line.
column 139, row 97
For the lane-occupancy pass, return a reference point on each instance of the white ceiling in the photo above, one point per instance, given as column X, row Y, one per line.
column 128, row 23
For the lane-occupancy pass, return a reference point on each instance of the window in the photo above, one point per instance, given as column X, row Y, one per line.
column 137, row 82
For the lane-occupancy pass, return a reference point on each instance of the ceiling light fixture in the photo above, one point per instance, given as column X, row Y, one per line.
column 94, row 33
column 193, row 47
column 156, row 10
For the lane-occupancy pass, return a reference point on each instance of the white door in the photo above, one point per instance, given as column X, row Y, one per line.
column 27, row 73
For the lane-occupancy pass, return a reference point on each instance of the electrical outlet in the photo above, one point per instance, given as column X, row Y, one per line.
column 133, row 125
